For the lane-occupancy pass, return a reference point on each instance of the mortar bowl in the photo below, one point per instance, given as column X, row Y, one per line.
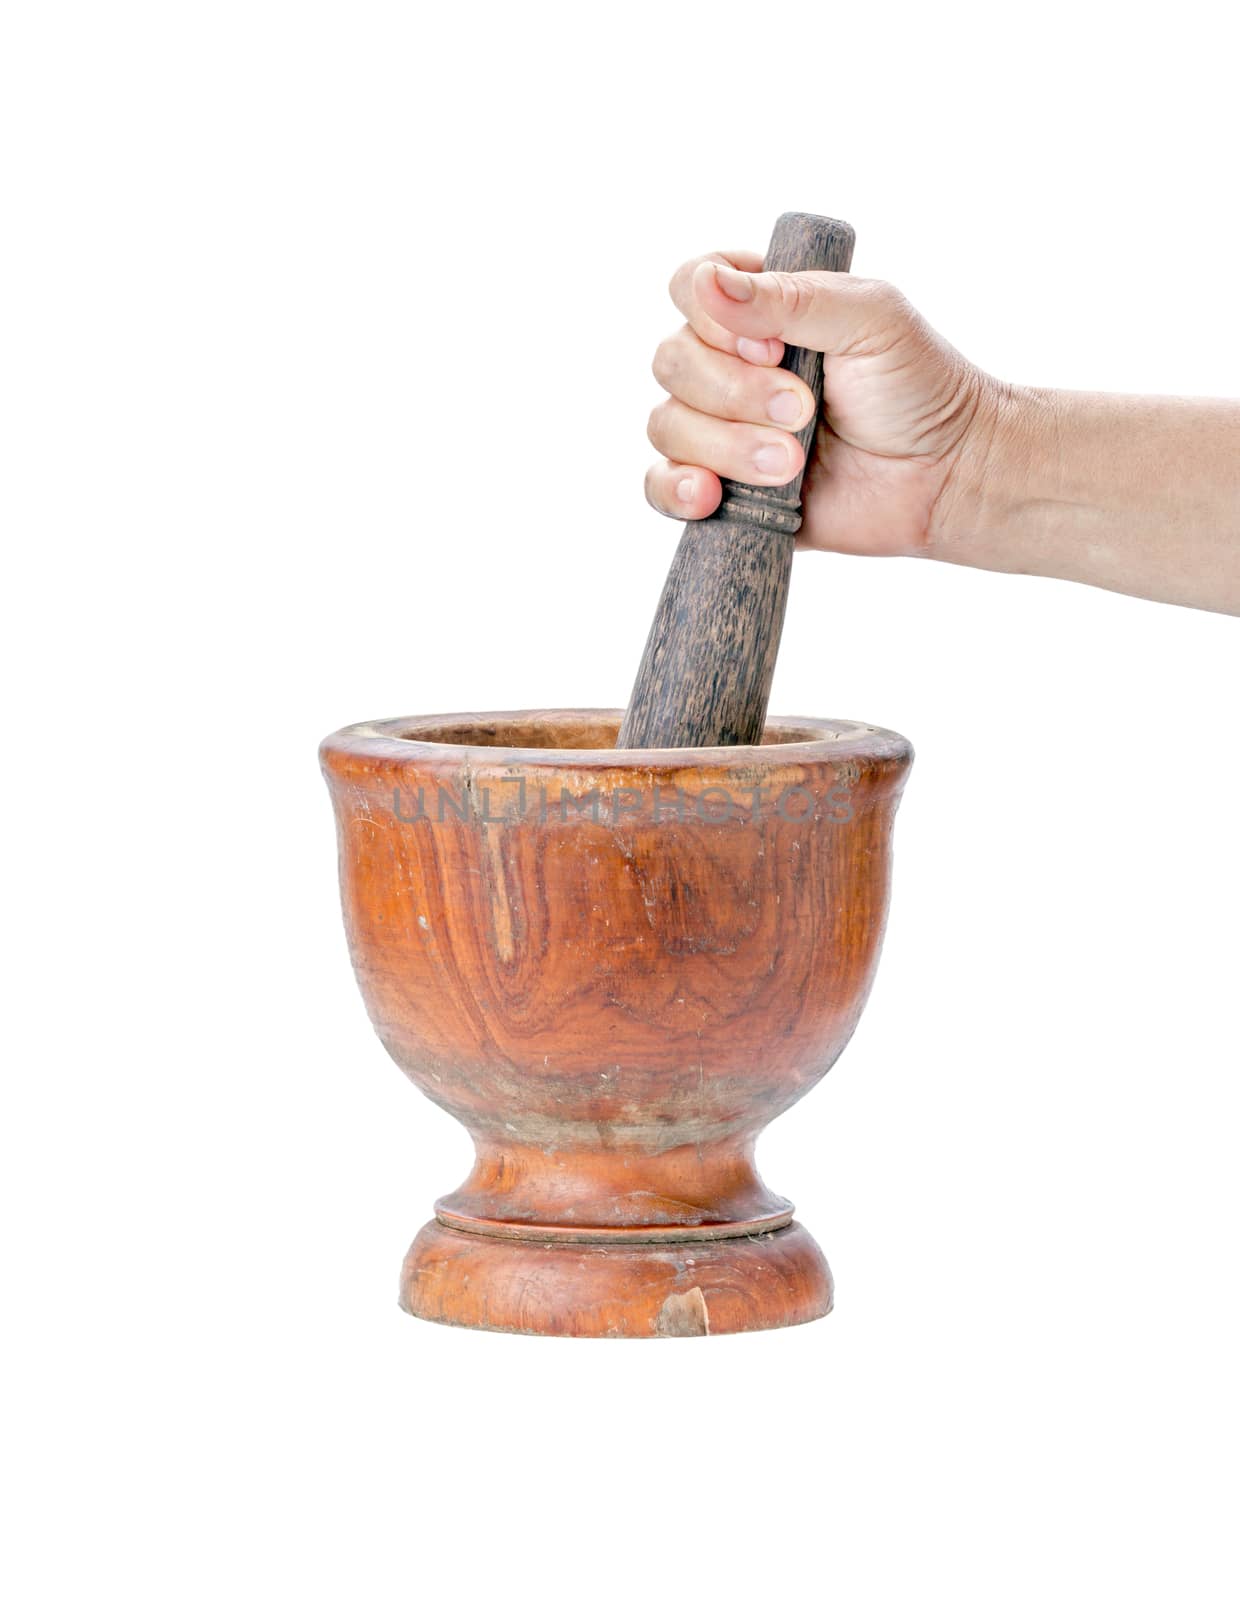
column 614, row 967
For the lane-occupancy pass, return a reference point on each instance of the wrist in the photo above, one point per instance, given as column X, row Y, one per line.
column 977, row 517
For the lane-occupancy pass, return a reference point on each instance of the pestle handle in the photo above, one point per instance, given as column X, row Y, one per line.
column 705, row 676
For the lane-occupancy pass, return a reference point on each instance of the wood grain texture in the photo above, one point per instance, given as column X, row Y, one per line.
column 614, row 968
column 637, row 1292
column 705, row 676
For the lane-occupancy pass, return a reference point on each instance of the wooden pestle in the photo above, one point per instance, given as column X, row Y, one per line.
column 705, row 676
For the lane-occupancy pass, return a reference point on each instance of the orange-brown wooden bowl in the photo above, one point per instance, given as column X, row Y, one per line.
column 614, row 967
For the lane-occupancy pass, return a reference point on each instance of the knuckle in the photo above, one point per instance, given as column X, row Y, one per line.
column 656, row 427
column 795, row 293
column 886, row 297
column 666, row 362
column 679, row 285
column 732, row 397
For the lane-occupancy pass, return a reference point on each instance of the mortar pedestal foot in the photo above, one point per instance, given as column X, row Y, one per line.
column 614, row 1289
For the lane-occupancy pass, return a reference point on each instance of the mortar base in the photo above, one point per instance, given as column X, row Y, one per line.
column 616, row 1290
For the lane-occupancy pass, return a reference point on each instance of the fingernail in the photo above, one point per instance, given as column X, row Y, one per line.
column 756, row 350
column 771, row 460
column 684, row 489
column 736, row 285
column 784, row 406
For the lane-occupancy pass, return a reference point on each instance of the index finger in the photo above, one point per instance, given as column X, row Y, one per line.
column 688, row 302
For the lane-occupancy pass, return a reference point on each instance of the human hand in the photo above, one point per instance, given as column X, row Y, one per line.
column 901, row 407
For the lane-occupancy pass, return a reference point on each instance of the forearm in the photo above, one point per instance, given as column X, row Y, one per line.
column 1136, row 494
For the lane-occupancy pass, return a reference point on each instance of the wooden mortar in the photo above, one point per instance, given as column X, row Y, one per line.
column 615, row 967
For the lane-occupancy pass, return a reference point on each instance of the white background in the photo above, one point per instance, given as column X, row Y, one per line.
column 326, row 350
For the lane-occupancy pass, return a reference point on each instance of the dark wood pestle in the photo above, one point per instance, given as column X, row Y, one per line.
column 705, row 676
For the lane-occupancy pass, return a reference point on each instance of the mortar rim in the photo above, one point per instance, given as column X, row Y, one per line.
column 837, row 737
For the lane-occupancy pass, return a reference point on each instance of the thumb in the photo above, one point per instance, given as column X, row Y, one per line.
column 827, row 311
